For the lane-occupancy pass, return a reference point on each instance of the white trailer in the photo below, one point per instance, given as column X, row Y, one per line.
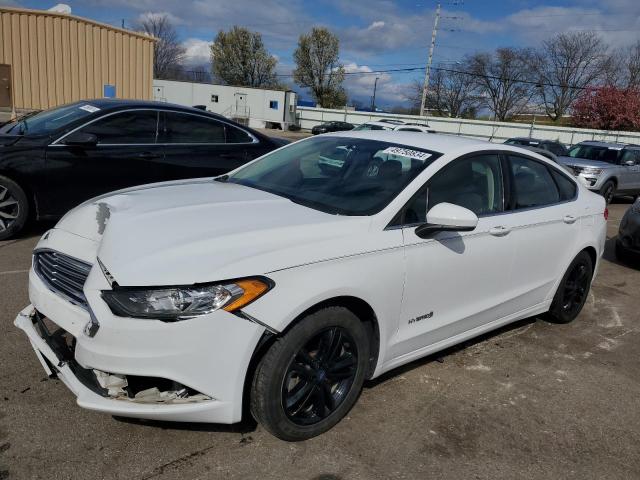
column 255, row 107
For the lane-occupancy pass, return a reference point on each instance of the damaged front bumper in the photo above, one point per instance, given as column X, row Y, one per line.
column 193, row 370
column 104, row 392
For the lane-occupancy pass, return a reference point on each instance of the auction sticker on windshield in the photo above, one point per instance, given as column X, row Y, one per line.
column 405, row 152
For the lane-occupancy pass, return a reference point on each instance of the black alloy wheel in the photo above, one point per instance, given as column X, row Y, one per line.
column 576, row 288
column 319, row 376
column 311, row 376
column 573, row 290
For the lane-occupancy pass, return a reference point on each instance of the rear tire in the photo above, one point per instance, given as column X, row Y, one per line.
column 608, row 190
column 14, row 208
column 311, row 376
column 573, row 290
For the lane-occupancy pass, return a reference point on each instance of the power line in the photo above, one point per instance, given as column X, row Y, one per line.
column 461, row 72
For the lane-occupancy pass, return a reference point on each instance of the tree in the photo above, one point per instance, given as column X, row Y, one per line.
column 608, row 108
column 168, row 53
column 318, row 67
column 239, row 57
column 565, row 65
column 502, row 81
column 452, row 93
column 631, row 65
column 413, row 95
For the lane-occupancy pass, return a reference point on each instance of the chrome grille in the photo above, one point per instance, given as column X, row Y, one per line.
column 63, row 274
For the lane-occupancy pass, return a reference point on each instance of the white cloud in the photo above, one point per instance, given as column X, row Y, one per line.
column 197, row 52
column 361, row 86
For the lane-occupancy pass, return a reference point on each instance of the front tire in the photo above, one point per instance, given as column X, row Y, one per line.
column 311, row 377
column 14, row 208
column 608, row 190
column 573, row 290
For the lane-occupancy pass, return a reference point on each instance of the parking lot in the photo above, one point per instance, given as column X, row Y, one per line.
column 535, row 400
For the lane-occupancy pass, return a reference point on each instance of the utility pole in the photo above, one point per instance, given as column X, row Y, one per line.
column 425, row 87
column 373, row 99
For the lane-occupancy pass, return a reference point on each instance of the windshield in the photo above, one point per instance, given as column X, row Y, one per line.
column 594, row 152
column 339, row 175
column 49, row 121
column 371, row 126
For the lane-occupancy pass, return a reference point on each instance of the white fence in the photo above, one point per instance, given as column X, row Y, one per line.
column 493, row 131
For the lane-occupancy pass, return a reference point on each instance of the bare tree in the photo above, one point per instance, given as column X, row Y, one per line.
column 413, row 95
column 168, row 53
column 318, row 67
column 501, row 80
column 240, row 58
column 452, row 92
column 565, row 65
column 631, row 66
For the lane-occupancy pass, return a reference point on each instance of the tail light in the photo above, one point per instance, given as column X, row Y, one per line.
column 606, row 214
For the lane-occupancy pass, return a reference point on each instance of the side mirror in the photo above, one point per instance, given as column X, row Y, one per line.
column 447, row 217
column 629, row 163
column 80, row 139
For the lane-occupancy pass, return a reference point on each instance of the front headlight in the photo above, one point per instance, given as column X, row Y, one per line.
column 180, row 303
column 592, row 170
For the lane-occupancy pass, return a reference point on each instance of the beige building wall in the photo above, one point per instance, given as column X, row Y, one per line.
column 57, row 58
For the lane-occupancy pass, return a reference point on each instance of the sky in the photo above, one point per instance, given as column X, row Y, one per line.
column 374, row 34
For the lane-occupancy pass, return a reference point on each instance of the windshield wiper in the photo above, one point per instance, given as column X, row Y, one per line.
column 221, row 178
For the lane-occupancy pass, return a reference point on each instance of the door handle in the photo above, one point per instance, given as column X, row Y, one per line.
column 569, row 219
column 499, row 231
column 149, row 155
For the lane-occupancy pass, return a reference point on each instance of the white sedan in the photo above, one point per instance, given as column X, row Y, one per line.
column 295, row 278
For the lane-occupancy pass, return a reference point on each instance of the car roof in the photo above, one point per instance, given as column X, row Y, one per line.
column 112, row 104
column 435, row 142
column 380, row 124
column 528, row 139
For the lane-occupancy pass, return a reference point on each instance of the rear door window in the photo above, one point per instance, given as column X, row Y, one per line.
column 235, row 135
column 181, row 128
column 533, row 185
column 566, row 187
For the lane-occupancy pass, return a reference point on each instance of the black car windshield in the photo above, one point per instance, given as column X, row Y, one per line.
column 595, row 152
column 49, row 121
column 339, row 175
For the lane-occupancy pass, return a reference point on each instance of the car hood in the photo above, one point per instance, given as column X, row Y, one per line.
column 583, row 162
column 201, row 231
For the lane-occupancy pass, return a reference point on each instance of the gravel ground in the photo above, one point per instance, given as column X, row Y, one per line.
column 534, row 400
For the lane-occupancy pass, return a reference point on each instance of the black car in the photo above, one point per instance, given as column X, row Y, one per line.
column 331, row 127
column 628, row 241
column 56, row 159
column 552, row 146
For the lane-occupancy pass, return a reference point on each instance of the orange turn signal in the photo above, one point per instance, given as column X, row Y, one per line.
column 252, row 289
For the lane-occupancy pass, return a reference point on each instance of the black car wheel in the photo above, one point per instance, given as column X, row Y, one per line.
column 14, row 208
column 311, row 377
column 573, row 290
column 607, row 191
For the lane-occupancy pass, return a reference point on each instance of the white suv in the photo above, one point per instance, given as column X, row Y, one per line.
column 289, row 283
